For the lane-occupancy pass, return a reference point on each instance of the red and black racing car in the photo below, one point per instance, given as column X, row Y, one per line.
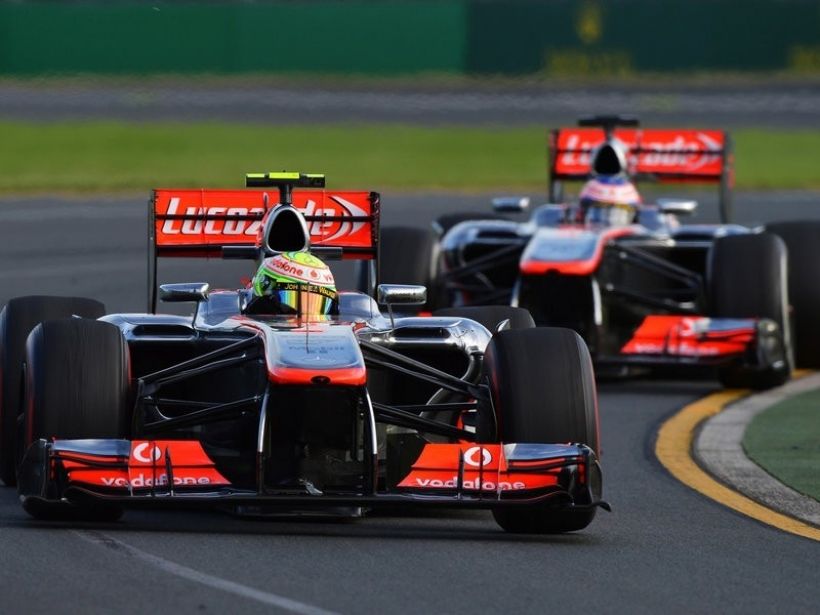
column 640, row 285
column 287, row 395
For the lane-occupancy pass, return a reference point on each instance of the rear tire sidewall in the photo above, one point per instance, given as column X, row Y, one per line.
column 407, row 255
column 18, row 318
column 747, row 278
column 802, row 239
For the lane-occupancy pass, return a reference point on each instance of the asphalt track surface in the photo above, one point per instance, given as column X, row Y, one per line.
column 665, row 548
column 718, row 103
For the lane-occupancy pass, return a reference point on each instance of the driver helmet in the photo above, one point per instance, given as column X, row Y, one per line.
column 609, row 201
column 296, row 283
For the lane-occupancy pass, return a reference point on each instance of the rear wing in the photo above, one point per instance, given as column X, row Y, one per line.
column 669, row 155
column 220, row 223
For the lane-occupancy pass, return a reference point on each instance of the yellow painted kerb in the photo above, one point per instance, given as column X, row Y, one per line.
column 674, row 450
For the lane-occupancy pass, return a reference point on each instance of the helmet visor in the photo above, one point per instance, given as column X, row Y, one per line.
column 608, row 214
column 296, row 298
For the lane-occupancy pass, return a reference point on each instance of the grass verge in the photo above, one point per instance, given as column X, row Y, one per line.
column 785, row 441
column 105, row 156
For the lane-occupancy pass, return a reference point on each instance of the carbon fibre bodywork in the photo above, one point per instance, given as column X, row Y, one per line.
column 243, row 406
column 272, row 412
column 637, row 294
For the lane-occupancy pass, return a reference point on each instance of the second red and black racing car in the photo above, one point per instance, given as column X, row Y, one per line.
column 640, row 285
column 288, row 395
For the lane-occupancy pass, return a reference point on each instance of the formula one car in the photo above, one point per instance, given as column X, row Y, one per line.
column 259, row 408
column 641, row 287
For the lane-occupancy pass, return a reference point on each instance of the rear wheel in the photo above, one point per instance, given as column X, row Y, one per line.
column 802, row 240
column 747, row 279
column 407, row 255
column 17, row 319
column 543, row 390
column 76, row 386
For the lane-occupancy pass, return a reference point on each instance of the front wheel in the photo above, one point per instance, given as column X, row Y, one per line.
column 76, row 386
column 543, row 389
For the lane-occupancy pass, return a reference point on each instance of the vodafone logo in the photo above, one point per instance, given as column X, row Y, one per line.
column 141, row 480
column 487, row 485
column 143, row 455
column 192, row 222
column 477, row 456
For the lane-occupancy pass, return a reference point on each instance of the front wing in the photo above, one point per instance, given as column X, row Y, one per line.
column 701, row 341
column 179, row 472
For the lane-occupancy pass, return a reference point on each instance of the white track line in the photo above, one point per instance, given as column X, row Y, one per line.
column 292, row 606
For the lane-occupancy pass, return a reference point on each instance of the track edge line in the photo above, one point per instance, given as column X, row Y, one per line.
column 673, row 449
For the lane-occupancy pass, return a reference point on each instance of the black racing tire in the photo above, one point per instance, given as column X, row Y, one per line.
column 444, row 223
column 492, row 315
column 543, row 389
column 802, row 239
column 407, row 255
column 77, row 386
column 747, row 278
column 17, row 319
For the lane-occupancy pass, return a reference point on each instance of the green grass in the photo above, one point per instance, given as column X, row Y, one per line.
column 97, row 156
column 785, row 441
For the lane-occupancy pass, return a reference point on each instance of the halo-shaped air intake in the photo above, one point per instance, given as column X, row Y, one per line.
column 285, row 231
column 608, row 159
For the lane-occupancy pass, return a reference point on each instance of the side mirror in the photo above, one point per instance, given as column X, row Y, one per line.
column 188, row 291
column 678, row 207
column 401, row 294
column 511, row 203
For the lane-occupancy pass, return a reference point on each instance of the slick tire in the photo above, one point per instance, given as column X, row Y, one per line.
column 76, row 386
column 802, row 240
column 747, row 278
column 490, row 316
column 407, row 255
column 17, row 319
column 543, row 389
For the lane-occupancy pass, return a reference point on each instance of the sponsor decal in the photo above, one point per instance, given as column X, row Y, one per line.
column 145, row 466
column 487, row 485
column 437, row 467
column 686, row 151
column 314, row 271
column 195, row 224
column 143, row 480
column 478, row 456
column 690, row 336
column 142, row 455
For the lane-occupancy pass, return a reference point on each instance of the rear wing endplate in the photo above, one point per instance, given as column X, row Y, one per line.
column 669, row 155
